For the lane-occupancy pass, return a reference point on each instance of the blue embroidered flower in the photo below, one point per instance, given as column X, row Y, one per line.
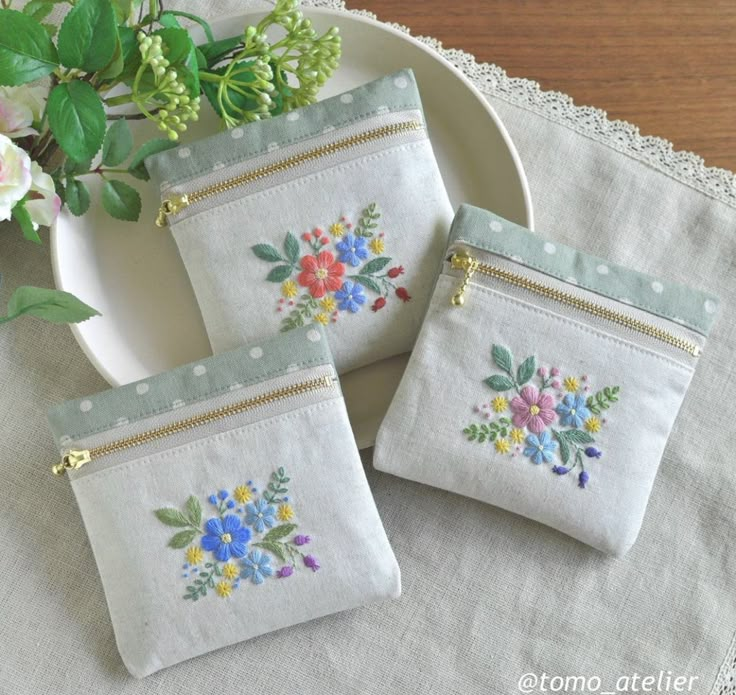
column 350, row 297
column 572, row 411
column 256, row 567
column 540, row 447
column 226, row 537
column 259, row 514
column 353, row 249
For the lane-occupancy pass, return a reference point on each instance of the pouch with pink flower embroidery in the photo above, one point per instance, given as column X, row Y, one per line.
column 224, row 499
column 545, row 381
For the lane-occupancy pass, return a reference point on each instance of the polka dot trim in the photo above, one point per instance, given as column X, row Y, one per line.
column 401, row 82
column 184, row 152
column 292, row 116
column 346, row 98
column 236, row 133
column 199, row 370
column 85, row 406
column 141, row 389
column 314, row 336
column 256, row 353
column 496, row 226
column 550, row 248
column 658, row 287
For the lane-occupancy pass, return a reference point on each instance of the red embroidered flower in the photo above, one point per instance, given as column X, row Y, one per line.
column 321, row 274
column 317, row 232
column 307, row 236
column 379, row 304
column 403, row 294
column 393, row 273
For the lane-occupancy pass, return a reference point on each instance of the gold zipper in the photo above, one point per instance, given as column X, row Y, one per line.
column 176, row 203
column 76, row 458
column 469, row 265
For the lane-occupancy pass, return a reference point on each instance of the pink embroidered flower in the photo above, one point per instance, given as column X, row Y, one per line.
column 532, row 409
column 321, row 274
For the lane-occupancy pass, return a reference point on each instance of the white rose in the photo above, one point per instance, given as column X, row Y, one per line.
column 32, row 97
column 15, row 119
column 15, row 175
column 43, row 204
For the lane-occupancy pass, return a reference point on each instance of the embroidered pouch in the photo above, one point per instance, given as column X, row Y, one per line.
column 332, row 214
column 225, row 499
column 544, row 381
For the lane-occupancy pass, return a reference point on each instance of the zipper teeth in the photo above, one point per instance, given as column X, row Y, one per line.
column 189, row 423
column 302, row 157
column 598, row 310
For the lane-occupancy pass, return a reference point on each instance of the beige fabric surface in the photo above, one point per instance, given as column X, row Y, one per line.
column 488, row 596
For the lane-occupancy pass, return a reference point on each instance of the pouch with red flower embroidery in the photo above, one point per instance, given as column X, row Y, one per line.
column 224, row 499
column 332, row 214
column 545, row 381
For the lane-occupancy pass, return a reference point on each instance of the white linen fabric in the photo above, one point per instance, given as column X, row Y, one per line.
column 487, row 595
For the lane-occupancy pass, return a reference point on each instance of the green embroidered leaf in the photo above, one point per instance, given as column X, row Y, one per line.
column 499, row 383
column 578, row 436
column 602, row 400
column 291, row 248
column 279, row 273
column 279, row 532
column 367, row 282
column 182, row 539
column 579, row 458
column 502, row 357
column 368, row 220
column 194, row 511
column 564, row 446
column 266, row 252
column 504, row 421
column 375, row 266
column 526, row 370
column 171, row 517
column 272, row 547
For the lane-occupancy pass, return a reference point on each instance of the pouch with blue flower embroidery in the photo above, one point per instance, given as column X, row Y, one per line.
column 224, row 499
column 545, row 381
column 334, row 214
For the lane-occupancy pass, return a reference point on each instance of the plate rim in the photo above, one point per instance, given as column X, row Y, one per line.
column 361, row 19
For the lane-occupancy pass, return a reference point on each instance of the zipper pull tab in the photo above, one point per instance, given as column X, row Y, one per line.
column 71, row 461
column 462, row 260
column 171, row 206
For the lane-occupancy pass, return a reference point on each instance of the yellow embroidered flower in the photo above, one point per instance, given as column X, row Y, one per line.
column 593, row 424
column 328, row 304
column 230, row 571
column 377, row 245
column 224, row 589
column 289, row 289
column 285, row 512
column 517, row 435
column 194, row 554
column 500, row 404
column 503, row 446
column 242, row 494
column 322, row 318
column 571, row 384
column 337, row 229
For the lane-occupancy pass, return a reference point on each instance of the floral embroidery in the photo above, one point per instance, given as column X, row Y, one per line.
column 338, row 275
column 533, row 412
column 244, row 541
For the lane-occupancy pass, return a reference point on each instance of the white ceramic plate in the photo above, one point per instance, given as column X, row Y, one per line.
column 133, row 275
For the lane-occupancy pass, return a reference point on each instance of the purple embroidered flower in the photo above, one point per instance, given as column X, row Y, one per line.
column 226, row 537
column 583, row 478
column 301, row 540
column 259, row 514
column 593, row 453
column 560, row 470
column 352, row 250
column 311, row 562
column 285, row 571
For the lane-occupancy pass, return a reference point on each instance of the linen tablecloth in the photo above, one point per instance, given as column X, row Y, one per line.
column 488, row 596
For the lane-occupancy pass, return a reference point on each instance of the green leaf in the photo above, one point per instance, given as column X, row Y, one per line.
column 38, row 9
column 272, row 547
column 526, row 370
column 121, row 200
column 122, row 9
column 564, row 447
column 280, row 273
column 55, row 306
column 375, row 266
column 77, row 119
column 88, row 35
column 266, row 252
column 23, row 218
column 26, row 50
column 77, row 196
column 279, row 532
column 172, row 517
column 116, row 64
column 194, row 511
column 502, row 357
column 195, row 18
column 367, row 282
column 137, row 165
column 117, row 144
column 182, row 539
column 578, row 437
column 215, row 50
column 499, row 383
column 291, row 248
column 76, row 168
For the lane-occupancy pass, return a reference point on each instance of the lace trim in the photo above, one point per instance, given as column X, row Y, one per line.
column 726, row 680
column 593, row 123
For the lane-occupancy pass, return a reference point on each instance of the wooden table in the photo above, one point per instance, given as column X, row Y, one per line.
column 668, row 66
